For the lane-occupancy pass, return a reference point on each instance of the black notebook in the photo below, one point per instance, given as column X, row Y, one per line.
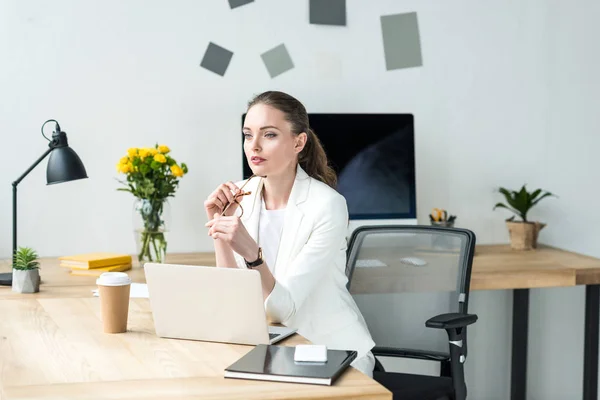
column 276, row 363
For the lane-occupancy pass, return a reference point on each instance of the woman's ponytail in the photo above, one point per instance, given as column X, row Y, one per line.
column 313, row 160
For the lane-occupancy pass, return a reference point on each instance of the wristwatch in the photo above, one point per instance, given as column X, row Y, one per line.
column 256, row 262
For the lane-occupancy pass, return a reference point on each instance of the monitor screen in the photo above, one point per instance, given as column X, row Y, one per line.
column 373, row 156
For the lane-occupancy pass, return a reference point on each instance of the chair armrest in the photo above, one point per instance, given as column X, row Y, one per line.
column 451, row 321
column 410, row 353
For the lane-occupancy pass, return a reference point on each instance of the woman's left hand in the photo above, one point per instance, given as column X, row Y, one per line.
column 233, row 232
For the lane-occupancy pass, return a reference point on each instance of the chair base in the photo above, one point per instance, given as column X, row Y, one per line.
column 416, row 387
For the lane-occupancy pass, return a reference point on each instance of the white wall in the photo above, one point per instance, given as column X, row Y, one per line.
column 568, row 165
column 506, row 96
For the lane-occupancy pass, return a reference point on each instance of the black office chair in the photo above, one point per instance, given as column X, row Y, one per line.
column 420, row 273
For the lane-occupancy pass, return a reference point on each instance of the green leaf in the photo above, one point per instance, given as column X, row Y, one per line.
column 547, row 194
column 25, row 259
column 535, row 194
column 509, row 197
column 144, row 169
column 522, row 201
column 502, row 205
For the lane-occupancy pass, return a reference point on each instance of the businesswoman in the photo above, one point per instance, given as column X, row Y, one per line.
column 290, row 224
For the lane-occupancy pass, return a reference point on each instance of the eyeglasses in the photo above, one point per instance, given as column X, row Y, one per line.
column 238, row 196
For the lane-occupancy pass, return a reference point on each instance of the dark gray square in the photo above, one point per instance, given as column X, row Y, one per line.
column 277, row 60
column 216, row 59
column 238, row 3
column 328, row 12
column 401, row 41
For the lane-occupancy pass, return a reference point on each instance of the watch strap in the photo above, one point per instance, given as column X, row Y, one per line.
column 257, row 262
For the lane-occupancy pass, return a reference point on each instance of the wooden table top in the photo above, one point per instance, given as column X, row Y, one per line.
column 494, row 267
column 52, row 347
column 500, row 267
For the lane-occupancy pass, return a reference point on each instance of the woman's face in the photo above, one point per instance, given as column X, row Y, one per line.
column 269, row 144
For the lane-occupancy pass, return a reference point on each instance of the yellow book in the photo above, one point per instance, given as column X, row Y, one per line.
column 94, row 260
column 99, row 271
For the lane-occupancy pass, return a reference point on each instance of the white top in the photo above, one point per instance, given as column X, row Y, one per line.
column 310, row 292
column 270, row 226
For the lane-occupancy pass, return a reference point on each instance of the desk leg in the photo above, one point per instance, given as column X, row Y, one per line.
column 520, row 329
column 590, row 346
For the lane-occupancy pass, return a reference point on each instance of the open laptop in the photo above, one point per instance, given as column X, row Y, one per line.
column 210, row 304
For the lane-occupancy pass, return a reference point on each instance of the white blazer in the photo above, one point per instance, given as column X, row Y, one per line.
column 310, row 291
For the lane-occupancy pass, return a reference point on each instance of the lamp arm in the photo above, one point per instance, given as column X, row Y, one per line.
column 39, row 160
column 14, row 186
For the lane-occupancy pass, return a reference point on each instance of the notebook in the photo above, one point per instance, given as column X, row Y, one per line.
column 276, row 363
column 94, row 260
column 99, row 271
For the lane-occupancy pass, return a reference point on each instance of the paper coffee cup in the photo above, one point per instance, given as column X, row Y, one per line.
column 113, row 289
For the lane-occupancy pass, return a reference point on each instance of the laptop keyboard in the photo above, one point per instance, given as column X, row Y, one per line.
column 273, row 335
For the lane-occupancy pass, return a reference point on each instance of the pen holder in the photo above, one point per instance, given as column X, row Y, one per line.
column 447, row 224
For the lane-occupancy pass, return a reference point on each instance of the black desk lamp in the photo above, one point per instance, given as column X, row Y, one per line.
column 64, row 165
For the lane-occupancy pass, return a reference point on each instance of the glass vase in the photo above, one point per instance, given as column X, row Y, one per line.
column 151, row 221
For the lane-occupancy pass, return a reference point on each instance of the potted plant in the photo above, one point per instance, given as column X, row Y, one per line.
column 26, row 274
column 523, row 233
column 152, row 175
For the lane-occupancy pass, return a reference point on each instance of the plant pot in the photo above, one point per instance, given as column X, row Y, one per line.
column 524, row 235
column 26, row 280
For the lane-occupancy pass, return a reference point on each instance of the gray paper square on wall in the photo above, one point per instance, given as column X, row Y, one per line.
column 238, row 3
column 216, row 59
column 277, row 60
column 401, row 41
column 327, row 12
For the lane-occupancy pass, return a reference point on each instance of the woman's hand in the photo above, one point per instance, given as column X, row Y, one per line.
column 231, row 230
column 218, row 200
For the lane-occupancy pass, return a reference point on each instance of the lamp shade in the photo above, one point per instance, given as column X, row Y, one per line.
column 64, row 165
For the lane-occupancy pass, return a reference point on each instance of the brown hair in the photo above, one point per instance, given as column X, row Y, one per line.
column 312, row 158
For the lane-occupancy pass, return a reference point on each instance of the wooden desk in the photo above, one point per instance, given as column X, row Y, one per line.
column 52, row 347
column 498, row 267
column 494, row 267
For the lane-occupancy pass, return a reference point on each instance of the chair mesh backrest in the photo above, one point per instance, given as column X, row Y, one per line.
column 400, row 276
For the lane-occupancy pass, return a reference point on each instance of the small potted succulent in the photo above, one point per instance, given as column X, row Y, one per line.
column 26, row 274
column 523, row 233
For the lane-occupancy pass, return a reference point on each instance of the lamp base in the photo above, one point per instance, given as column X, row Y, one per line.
column 6, row 279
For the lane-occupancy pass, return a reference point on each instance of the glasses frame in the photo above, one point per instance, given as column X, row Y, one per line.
column 238, row 196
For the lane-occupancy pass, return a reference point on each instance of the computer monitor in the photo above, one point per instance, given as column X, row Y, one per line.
column 374, row 158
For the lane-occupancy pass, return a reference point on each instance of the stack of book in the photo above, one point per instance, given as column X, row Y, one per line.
column 94, row 264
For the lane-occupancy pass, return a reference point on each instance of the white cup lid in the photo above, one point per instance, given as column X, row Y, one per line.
column 113, row 279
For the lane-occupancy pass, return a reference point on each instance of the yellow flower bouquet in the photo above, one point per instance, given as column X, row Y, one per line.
column 152, row 176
